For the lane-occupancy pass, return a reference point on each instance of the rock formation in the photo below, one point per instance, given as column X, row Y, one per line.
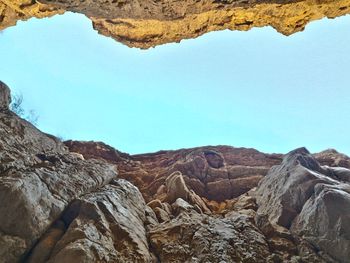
column 13, row 10
column 147, row 23
column 216, row 173
column 87, row 202
column 311, row 200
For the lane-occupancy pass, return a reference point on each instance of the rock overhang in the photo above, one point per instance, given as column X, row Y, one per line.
column 147, row 23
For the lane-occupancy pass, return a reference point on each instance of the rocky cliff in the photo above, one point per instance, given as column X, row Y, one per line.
column 147, row 23
column 87, row 202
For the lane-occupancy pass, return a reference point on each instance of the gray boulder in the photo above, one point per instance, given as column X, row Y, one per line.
column 310, row 200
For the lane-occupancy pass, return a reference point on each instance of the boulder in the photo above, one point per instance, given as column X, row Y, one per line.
column 311, row 202
column 325, row 221
column 283, row 192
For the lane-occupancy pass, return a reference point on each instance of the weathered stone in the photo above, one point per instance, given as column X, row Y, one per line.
column 181, row 205
column 324, row 221
column 286, row 188
column 161, row 214
column 176, row 187
column 41, row 252
column 59, row 207
column 333, row 158
column 5, row 96
column 38, row 179
column 155, row 203
column 107, row 226
column 13, row 10
column 148, row 23
column 149, row 172
column 301, row 195
column 193, row 237
column 214, row 159
column 151, row 218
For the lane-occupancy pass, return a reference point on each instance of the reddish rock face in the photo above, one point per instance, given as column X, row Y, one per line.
column 333, row 158
column 216, row 173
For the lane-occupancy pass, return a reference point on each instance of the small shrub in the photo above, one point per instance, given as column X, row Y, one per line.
column 17, row 107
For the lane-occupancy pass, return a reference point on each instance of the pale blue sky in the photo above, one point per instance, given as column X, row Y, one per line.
column 254, row 89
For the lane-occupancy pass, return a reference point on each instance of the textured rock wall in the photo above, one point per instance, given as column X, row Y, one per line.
column 67, row 202
column 311, row 200
column 13, row 10
column 216, row 173
column 148, row 23
column 38, row 179
column 287, row 17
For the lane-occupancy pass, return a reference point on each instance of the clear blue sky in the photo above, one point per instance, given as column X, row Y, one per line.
column 254, row 89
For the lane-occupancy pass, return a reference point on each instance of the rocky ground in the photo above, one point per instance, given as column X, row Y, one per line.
column 148, row 23
column 87, row 202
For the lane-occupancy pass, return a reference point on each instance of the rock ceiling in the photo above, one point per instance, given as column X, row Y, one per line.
column 149, row 23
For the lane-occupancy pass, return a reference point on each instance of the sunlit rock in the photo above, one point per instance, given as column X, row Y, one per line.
column 147, row 23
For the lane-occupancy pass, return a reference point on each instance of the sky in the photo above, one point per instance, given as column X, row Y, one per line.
column 256, row 89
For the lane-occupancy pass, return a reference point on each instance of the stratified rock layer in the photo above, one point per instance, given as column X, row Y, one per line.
column 216, row 173
column 147, row 23
column 65, row 204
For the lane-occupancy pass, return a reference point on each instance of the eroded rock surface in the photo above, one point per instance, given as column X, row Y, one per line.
column 194, row 237
column 64, row 203
column 147, row 23
column 12, row 11
column 105, row 226
column 310, row 200
column 216, row 173
column 39, row 178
